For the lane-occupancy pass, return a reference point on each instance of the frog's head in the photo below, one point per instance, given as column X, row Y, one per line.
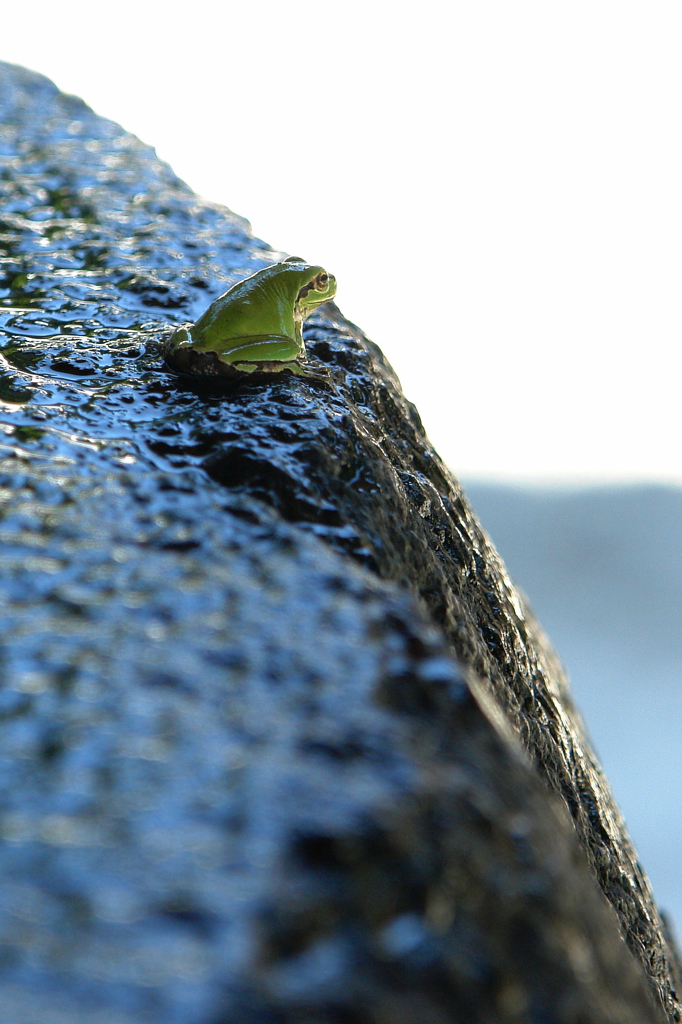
column 316, row 287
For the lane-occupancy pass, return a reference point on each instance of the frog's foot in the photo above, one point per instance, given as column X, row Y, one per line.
column 267, row 366
column 293, row 366
column 186, row 360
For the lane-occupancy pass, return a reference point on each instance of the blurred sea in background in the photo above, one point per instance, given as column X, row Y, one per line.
column 602, row 568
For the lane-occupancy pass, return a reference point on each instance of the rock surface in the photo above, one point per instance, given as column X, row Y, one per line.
column 244, row 778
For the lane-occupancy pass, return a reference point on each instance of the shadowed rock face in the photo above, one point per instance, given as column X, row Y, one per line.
column 244, row 778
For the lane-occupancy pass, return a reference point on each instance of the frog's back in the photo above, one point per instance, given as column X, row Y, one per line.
column 262, row 304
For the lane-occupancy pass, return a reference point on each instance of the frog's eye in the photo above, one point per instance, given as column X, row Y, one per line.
column 321, row 281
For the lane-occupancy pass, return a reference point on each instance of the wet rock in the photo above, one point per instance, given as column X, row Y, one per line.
column 245, row 777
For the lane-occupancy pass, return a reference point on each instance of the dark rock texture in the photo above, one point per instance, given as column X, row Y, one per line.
column 243, row 777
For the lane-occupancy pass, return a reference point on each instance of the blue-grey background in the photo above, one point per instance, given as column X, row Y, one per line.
column 602, row 568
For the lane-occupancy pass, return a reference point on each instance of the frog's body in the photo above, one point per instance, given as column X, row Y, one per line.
column 256, row 324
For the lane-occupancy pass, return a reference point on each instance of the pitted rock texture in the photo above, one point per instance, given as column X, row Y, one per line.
column 226, row 802
column 231, row 714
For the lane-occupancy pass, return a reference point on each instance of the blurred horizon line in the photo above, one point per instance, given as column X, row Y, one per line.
column 562, row 484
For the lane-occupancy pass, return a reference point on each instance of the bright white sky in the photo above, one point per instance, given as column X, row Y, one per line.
column 497, row 187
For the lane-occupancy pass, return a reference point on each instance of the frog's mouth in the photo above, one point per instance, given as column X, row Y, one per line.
column 306, row 302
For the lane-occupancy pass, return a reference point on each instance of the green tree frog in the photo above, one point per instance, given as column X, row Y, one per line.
column 255, row 326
